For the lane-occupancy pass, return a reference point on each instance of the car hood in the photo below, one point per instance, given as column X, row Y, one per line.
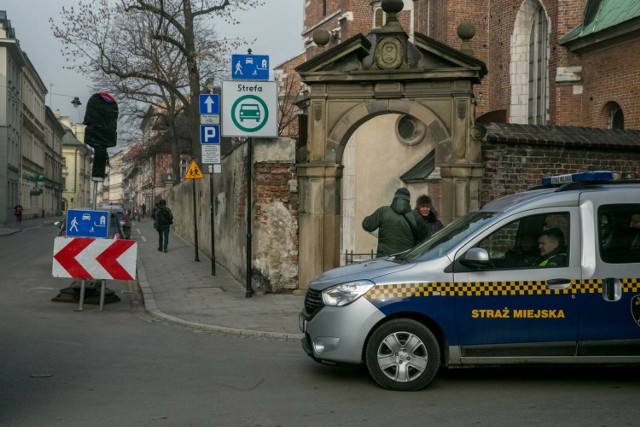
column 367, row 270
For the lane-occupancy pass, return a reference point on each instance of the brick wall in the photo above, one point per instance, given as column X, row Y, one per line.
column 611, row 75
column 511, row 167
column 494, row 22
column 276, row 224
column 272, row 184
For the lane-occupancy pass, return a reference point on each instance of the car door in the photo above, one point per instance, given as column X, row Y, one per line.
column 510, row 310
column 609, row 313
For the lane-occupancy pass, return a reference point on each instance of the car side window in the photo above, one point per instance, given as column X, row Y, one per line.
column 619, row 233
column 536, row 241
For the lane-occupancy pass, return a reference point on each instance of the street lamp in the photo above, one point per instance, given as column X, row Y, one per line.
column 76, row 103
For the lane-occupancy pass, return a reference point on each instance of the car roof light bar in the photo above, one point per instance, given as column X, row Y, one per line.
column 589, row 176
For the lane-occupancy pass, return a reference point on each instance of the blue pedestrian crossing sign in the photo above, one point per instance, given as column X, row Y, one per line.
column 87, row 223
column 250, row 67
column 209, row 103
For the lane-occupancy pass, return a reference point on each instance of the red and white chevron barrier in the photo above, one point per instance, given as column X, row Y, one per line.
column 87, row 258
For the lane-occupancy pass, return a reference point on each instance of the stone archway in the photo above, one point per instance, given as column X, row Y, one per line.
column 364, row 77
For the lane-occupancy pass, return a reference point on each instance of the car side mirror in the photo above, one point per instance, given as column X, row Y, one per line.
column 476, row 258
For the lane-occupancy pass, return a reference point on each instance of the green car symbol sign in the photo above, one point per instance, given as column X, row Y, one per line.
column 249, row 113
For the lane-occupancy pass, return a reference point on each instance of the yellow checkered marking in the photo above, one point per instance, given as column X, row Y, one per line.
column 487, row 289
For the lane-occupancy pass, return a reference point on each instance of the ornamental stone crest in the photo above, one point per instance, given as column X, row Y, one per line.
column 389, row 54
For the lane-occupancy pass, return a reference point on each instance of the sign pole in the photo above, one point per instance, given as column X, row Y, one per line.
column 213, row 215
column 194, row 173
column 81, row 296
column 249, row 292
column 195, row 220
column 103, row 285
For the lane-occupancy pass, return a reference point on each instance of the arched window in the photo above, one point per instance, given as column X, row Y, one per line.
column 529, row 65
column 538, row 68
column 378, row 14
column 616, row 118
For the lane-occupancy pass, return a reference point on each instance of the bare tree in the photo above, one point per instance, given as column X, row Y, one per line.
column 290, row 93
column 182, row 17
column 149, row 52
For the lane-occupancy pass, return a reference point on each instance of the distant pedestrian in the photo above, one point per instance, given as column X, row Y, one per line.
column 429, row 214
column 399, row 227
column 17, row 211
column 162, row 222
column 144, row 210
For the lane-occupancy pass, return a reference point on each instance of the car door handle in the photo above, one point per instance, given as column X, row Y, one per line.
column 558, row 283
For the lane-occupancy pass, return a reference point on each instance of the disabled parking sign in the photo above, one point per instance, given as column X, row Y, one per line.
column 249, row 109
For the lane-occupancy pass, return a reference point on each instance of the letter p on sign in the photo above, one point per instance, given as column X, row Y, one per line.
column 209, row 134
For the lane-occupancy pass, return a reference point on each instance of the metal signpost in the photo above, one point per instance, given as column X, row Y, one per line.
column 194, row 172
column 88, row 223
column 250, row 109
column 210, row 147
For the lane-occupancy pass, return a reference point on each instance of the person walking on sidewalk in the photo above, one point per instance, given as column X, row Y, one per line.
column 162, row 222
column 17, row 211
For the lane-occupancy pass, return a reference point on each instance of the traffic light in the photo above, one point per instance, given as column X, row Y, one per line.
column 101, row 119
column 100, row 161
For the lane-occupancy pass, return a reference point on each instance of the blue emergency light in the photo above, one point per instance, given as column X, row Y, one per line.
column 589, row 176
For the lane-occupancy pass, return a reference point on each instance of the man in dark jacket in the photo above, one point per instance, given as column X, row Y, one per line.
column 399, row 227
column 163, row 219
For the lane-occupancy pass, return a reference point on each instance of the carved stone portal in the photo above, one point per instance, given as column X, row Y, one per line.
column 364, row 77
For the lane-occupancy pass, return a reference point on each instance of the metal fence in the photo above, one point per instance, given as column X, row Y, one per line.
column 350, row 257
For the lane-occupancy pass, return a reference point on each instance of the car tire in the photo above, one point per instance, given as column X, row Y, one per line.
column 402, row 355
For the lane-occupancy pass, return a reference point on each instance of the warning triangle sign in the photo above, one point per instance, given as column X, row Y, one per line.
column 194, row 171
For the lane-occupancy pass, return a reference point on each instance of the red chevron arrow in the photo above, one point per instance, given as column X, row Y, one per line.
column 67, row 257
column 109, row 259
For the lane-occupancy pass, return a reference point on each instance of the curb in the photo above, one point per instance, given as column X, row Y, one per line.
column 151, row 307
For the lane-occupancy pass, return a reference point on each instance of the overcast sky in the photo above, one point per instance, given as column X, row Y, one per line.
column 276, row 26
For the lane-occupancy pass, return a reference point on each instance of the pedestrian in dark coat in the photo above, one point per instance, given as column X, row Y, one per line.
column 17, row 211
column 428, row 214
column 399, row 227
column 163, row 219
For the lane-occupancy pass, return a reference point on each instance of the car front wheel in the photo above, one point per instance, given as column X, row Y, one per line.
column 403, row 355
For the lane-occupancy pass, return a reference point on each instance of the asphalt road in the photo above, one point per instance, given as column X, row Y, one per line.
column 119, row 367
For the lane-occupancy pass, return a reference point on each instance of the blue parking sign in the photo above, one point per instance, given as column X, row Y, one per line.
column 209, row 134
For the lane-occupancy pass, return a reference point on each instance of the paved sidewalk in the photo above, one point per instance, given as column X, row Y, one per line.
column 178, row 289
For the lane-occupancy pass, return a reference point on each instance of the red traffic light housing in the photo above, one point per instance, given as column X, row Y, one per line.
column 101, row 119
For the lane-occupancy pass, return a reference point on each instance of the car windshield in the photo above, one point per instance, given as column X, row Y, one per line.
column 442, row 241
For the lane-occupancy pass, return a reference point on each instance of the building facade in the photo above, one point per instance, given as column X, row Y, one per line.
column 31, row 158
column 12, row 61
column 32, row 143
column 76, row 172
column 53, row 163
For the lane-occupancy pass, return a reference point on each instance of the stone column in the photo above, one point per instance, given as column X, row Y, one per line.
column 319, row 219
column 462, row 173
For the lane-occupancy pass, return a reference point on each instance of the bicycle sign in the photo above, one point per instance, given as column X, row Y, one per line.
column 249, row 109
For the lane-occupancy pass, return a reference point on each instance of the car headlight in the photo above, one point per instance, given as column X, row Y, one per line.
column 345, row 293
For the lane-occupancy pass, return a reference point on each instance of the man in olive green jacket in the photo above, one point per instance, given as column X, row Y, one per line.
column 398, row 226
